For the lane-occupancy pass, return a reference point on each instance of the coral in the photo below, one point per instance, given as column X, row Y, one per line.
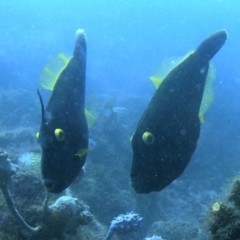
column 101, row 187
column 124, row 224
column 94, row 230
column 220, row 219
column 216, row 207
column 65, row 215
column 154, row 237
column 18, row 137
column 18, row 108
column 105, row 186
column 224, row 218
column 234, row 195
column 176, row 229
column 58, row 221
column 30, row 161
column 7, row 170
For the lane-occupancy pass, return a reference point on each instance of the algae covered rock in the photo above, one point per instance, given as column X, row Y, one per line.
column 176, row 229
column 234, row 195
column 65, row 215
column 224, row 217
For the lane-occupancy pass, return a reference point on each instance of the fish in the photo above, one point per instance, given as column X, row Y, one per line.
column 63, row 134
column 167, row 133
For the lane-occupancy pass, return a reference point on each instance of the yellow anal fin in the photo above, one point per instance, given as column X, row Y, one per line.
column 201, row 118
column 90, row 118
column 82, row 152
column 52, row 70
column 208, row 94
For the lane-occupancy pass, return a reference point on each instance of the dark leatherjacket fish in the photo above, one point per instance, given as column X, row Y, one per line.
column 63, row 134
column 168, row 131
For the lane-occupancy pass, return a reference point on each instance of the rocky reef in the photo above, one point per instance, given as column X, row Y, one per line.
column 124, row 224
column 177, row 229
column 105, row 186
column 224, row 215
column 19, row 108
column 26, row 198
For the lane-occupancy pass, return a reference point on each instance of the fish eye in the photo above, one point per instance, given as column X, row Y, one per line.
column 59, row 134
column 148, row 138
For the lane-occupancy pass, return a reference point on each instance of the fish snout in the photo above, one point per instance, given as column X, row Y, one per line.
column 48, row 184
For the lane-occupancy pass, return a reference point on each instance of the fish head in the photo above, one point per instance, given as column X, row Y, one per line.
column 144, row 156
column 60, row 163
column 153, row 163
column 61, row 139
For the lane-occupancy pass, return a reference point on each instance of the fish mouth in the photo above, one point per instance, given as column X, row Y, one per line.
column 144, row 186
column 138, row 184
column 48, row 184
column 144, row 182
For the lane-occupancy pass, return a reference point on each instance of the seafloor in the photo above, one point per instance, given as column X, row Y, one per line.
column 181, row 211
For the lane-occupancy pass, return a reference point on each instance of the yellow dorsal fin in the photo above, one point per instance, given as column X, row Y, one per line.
column 208, row 94
column 90, row 118
column 169, row 64
column 52, row 70
column 156, row 81
column 165, row 68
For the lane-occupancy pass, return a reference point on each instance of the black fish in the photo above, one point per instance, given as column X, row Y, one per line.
column 167, row 133
column 63, row 134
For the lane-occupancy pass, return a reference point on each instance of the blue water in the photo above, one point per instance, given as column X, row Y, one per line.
column 126, row 42
column 126, row 39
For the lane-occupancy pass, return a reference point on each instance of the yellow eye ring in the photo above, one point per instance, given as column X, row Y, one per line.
column 148, row 138
column 59, row 134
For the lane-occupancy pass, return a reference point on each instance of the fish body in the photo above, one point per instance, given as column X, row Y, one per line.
column 167, row 133
column 64, row 131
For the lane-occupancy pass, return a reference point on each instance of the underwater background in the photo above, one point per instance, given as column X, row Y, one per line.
column 126, row 42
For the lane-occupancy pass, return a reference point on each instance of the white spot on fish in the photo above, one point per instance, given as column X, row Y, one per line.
column 183, row 131
column 202, row 70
